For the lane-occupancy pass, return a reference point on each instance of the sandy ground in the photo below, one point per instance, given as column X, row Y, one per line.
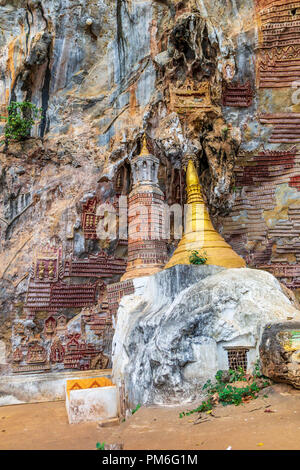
column 248, row 427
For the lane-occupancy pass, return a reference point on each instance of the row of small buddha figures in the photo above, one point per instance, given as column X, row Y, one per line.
column 46, row 271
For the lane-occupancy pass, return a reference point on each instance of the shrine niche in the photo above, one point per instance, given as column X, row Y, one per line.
column 189, row 99
column 50, row 326
column 47, row 265
column 89, row 219
column 237, row 95
column 36, row 354
column 17, row 355
column 61, row 324
column 122, row 180
column 101, row 361
column 228, row 71
column 57, row 352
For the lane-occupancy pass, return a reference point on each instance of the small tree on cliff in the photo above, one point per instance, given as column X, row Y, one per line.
column 21, row 117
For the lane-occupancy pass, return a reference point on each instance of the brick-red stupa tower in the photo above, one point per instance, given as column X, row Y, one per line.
column 147, row 248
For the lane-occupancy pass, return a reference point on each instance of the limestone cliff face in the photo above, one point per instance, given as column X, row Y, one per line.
column 195, row 75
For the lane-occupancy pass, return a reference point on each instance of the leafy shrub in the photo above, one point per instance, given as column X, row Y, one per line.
column 100, row 446
column 135, row 409
column 198, row 258
column 21, row 117
column 225, row 131
column 224, row 393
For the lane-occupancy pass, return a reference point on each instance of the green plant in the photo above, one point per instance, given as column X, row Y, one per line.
column 256, row 371
column 226, row 394
column 21, row 117
column 135, row 409
column 100, row 446
column 259, row 375
column 205, row 406
column 230, row 395
column 237, row 375
column 198, row 258
column 236, row 188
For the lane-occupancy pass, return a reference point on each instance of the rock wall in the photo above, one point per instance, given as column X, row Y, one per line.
column 198, row 76
column 280, row 352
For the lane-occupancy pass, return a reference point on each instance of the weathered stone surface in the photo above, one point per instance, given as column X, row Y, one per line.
column 172, row 334
column 92, row 404
column 104, row 72
column 280, row 353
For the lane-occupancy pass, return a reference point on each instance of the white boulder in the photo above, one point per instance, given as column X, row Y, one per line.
column 172, row 335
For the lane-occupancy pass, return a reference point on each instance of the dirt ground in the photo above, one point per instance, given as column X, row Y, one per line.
column 248, row 427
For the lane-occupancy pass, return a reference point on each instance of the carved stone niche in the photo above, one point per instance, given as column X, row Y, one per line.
column 61, row 324
column 17, row 355
column 50, row 325
column 89, row 218
column 47, row 264
column 228, row 70
column 36, row 354
column 100, row 361
column 57, row 352
column 188, row 99
column 122, row 180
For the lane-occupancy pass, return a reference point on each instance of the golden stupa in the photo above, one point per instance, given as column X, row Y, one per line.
column 200, row 234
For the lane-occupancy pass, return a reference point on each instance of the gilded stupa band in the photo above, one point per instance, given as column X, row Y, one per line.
column 200, row 234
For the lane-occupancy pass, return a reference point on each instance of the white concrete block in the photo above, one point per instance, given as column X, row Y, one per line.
column 92, row 404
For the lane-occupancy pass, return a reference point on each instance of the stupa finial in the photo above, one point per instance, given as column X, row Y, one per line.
column 193, row 187
column 144, row 150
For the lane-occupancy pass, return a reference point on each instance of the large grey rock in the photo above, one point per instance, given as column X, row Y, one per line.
column 172, row 333
column 280, row 353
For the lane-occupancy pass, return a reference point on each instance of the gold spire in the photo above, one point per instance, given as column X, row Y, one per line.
column 193, row 185
column 200, row 234
column 144, row 150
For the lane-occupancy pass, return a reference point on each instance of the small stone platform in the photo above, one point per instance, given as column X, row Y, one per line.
column 35, row 388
